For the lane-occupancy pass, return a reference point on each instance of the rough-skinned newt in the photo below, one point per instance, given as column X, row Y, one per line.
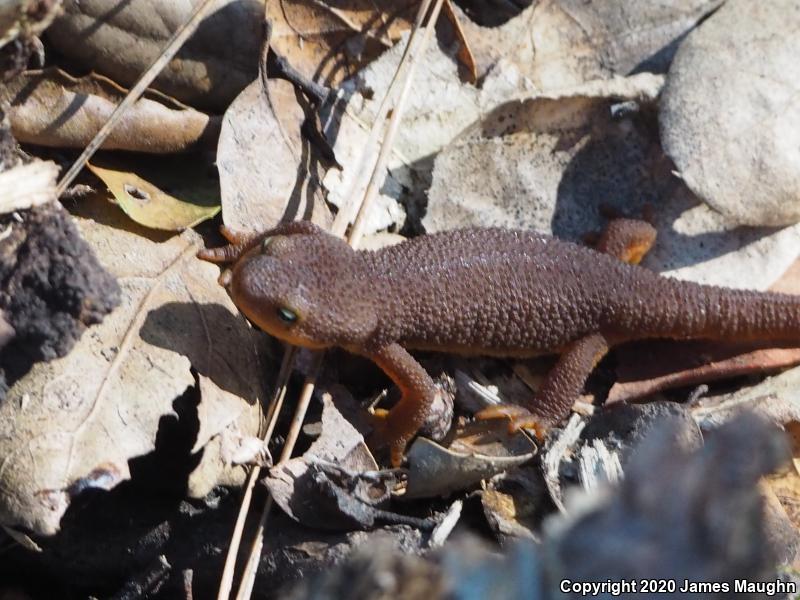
column 482, row 292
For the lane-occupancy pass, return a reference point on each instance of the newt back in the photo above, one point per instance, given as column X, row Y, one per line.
column 505, row 292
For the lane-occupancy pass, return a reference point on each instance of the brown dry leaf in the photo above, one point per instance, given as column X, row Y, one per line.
column 122, row 39
column 465, row 58
column 328, row 42
column 226, row 436
column 509, row 514
column 266, row 170
column 560, row 43
column 534, row 51
column 437, row 110
column 147, row 204
column 52, row 108
column 517, row 166
column 75, row 422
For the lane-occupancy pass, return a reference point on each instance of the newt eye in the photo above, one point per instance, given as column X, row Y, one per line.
column 287, row 315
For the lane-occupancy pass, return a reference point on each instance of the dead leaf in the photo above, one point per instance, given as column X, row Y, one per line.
column 513, row 167
column 227, row 441
column 473, row 456
column 335, row 484
column 52, row 108
column 75, row 422
column 266, row 171
column 147, row 204
column 599, row 40
column 440, row 109
column 560, row 43
column 329, row 42
column 25, row 186
column 508, row 515
column 325, row 42
column 728, row 115
column 465, row 58
column 121, row 40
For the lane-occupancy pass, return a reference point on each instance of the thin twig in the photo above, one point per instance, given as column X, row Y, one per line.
column 365, row 168
column 262, row 73
column 170, row 50
column 465, row 56
column 272, row 417
column 249, row 575
column 378, row 173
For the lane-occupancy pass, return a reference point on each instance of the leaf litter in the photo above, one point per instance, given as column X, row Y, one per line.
column 564, row 120
column 75, row 422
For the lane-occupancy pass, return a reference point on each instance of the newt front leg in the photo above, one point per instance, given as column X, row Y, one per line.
column 399, row 425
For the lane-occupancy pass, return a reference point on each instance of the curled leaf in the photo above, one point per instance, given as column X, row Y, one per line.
column 51, row 108
column 438, row 471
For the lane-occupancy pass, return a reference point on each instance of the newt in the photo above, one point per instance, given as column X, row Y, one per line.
column 486, row 291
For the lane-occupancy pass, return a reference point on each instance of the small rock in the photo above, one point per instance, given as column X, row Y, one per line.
column 53, row 285
column 627, row 425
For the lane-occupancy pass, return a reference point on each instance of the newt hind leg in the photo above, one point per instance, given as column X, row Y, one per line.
column 561, row 387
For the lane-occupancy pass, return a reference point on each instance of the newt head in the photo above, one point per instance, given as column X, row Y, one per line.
column 307, row 289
